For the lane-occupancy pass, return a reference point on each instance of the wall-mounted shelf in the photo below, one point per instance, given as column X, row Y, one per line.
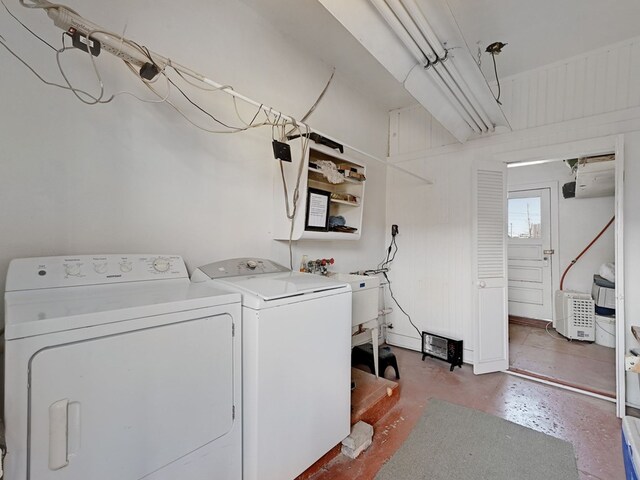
column 350, row 193
column 343, row 202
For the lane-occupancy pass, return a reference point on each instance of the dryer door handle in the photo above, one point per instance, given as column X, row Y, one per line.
column 58, row 420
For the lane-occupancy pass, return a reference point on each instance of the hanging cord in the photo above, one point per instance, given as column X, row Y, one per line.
column 291, row 205
column 382, row 268
column 401, row 309
column 585, row 250
column 315, row 104
column 495, row 70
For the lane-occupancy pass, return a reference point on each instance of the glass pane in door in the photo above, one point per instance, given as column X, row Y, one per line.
column 524, row 218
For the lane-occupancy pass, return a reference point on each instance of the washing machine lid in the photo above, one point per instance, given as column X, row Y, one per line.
column 265, row 283
column 282, row 285
column 278, row 286
column 240, row 267
column 38, row 312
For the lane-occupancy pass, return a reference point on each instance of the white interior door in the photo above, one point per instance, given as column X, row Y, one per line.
column 491, row 349
column 530, row 254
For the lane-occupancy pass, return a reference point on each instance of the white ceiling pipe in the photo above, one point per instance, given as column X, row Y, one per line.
column 399, row 30
column 413, row 20
column 414, row 32
column 457, row 99
column 412, row 17
column 437, row 77
column 471, row 111
column 455, row 74
column 462, row 91
column 424, row 27
column 459, row 94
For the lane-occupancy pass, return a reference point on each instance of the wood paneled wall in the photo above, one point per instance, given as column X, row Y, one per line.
column 600, row 81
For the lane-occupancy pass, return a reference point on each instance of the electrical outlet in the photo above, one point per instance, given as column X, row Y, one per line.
column 394, row 230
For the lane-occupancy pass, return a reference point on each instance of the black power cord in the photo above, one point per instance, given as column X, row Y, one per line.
column 383, row 267
column 399, row 306
column 494, row 49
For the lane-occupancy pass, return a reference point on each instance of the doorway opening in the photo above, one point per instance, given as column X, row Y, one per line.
column 548, row 225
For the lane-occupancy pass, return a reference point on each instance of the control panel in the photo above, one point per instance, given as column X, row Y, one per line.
column 77, row 270
column 240, row 267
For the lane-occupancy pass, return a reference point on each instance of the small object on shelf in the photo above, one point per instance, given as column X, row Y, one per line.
column 443, row 348
column 351, row 171
column 330, row 172
column 336, row 221
column 356, row 176
column 344, row 229
column 346, row 197
column 303, row 263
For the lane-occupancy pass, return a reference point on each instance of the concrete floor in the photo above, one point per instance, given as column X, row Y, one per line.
column 580, row 364
column 589, row 424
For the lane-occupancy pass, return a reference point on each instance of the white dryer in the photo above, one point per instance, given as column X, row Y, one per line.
column 118, row 367
column 296, row 364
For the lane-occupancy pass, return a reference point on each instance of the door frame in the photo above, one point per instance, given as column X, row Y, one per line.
column 591, row 147
column 554, row 224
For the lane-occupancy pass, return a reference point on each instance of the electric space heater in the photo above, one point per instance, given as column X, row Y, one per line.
column 575, row 317
column 444, row 348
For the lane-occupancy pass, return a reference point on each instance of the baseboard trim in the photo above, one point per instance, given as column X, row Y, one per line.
column 592, row 392
column 528, row 322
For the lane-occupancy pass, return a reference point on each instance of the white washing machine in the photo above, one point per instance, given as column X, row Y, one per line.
column 296, row 363
column 118, row 367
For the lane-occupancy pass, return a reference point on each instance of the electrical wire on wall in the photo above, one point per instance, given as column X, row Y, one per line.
column 154, row 67
column 383, row 268
column 158, row 71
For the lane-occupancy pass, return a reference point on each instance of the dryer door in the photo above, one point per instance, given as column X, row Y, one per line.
column 124, row 406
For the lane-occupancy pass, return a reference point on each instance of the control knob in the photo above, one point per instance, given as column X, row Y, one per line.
column 72, row 270
column 100, row 267
column 161, row 264
column 125, row 267
column 252, row 264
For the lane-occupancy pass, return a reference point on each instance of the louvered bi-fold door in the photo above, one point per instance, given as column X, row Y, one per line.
column 491, row 349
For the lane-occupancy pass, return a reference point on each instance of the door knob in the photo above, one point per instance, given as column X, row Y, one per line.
column 482, row 284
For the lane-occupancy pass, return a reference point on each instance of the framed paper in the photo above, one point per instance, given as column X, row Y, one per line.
column 317, row 210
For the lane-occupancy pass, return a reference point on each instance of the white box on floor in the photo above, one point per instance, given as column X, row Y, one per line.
column 606, row 331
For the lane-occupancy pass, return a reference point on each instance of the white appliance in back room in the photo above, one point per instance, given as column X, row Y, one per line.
column 296, row 363
column 119, row 368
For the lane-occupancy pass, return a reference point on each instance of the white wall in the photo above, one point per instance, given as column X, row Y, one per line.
column 135, row 177
column 441, row 250
column 580, row 220
column 431, row 272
